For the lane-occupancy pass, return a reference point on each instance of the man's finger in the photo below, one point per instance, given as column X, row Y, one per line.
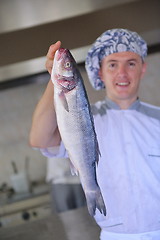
column 52, row 49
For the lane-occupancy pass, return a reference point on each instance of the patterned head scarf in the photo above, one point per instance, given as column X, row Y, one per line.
column 112, row 41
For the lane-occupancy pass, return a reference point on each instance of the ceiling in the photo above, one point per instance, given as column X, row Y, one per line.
column 27, row 28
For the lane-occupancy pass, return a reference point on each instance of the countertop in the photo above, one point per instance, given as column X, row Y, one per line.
column 69, row 225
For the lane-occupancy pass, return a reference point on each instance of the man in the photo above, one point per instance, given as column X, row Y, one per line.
column 128, row 133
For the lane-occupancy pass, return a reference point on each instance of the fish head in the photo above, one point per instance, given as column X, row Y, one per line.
column 64, row 70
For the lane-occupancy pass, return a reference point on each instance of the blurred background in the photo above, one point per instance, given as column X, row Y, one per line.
column 27, row 29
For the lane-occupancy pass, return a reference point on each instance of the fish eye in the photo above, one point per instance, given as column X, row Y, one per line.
column 67, row 64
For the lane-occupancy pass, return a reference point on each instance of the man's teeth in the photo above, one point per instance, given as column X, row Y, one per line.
column 123, row 84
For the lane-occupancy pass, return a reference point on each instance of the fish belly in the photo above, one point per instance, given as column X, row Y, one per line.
column 78, row 135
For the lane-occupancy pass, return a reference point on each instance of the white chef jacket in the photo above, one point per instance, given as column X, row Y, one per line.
column 128, row 171
column 129, row 167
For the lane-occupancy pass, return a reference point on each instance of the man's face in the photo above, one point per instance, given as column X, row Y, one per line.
column 121, row 74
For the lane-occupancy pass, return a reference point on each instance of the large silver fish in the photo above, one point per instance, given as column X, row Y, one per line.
column 76, row 126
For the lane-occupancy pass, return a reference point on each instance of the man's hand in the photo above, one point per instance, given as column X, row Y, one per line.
column 50, row 55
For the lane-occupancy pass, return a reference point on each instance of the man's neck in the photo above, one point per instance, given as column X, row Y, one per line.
column 123, row 103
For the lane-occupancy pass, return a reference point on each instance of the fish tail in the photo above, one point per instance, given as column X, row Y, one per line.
column 95, row 200
column 100, row 203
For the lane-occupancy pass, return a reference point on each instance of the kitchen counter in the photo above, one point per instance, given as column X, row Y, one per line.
column 49, row 228
column 69, row 225
column 37, row 190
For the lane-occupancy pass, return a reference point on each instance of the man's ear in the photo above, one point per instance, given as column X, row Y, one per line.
column 100, row 75
column 144, row 67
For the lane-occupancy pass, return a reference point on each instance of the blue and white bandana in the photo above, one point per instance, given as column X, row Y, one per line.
column 112, row 41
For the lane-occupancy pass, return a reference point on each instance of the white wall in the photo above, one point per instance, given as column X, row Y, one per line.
column 150, row 85
column 16, row 106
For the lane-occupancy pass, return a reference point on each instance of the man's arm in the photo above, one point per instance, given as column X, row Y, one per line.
column 44, row 131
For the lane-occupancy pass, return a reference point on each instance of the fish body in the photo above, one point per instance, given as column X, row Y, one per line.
column 76, row 126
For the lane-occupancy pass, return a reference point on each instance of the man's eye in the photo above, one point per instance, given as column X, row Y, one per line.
column 132, row 64
column 112, row 65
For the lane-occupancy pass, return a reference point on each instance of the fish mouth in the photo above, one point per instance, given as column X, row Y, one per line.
column 62, row 52
column 67, row 83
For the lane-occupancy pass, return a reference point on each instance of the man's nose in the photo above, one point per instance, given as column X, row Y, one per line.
column 122, row 72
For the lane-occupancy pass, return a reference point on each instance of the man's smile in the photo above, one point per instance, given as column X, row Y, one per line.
column 123, row 84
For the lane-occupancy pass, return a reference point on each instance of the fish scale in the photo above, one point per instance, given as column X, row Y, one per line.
column 76, row 126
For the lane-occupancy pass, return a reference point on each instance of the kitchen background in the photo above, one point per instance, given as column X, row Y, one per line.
column 27, row 28
column 17, row 105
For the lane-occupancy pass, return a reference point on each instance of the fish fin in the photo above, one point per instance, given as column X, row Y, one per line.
column 95, row 200
column 64, row 101
column 73, row 169
column 98, row 153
